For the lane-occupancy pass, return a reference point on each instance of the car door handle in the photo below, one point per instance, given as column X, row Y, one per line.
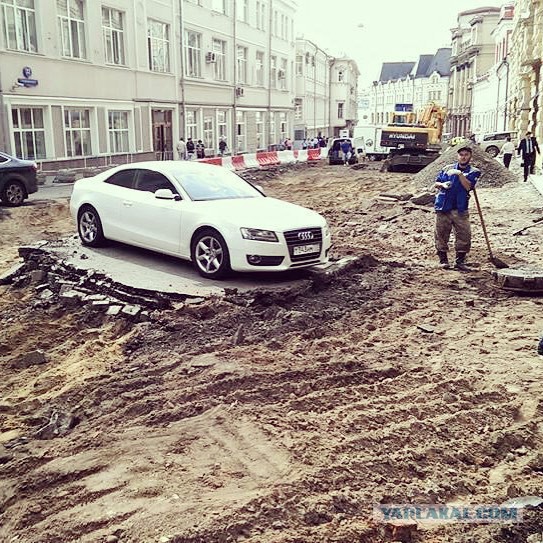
column 127, row 203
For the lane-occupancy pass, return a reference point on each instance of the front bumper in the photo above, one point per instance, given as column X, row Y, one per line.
column 278, row 256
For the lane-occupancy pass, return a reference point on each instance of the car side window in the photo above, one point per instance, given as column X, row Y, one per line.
column 124, row 178
column 3, row 159
column 151, row 181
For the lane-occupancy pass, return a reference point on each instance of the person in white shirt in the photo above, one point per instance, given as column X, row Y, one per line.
column 508, row 149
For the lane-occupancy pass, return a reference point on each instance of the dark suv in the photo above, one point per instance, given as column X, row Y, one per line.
column 17, row 179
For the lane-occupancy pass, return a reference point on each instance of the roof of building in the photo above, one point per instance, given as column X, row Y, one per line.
column 391, row 71
column 440, row 62
column 477, row 11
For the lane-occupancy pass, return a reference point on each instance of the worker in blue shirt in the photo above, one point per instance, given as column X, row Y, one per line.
column 455, row 182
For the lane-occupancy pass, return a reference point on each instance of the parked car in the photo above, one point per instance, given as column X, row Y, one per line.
column 199, row 212
column 335, row 156
column 492, row 143
column 17, row 179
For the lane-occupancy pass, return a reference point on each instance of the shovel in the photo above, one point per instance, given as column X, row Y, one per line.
column 494, row 259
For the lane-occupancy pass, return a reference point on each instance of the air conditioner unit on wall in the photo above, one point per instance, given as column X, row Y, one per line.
column 211, row 57
column 239, row 91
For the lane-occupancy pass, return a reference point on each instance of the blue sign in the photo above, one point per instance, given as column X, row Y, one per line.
column 26, row 80
column 403, row 107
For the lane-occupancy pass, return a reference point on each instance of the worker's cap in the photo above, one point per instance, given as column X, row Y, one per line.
column 468, row 149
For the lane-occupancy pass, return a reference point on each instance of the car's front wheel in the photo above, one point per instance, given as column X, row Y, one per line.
column 13, row 193
column 210, row 254
column 493, row 151
column 89, row 227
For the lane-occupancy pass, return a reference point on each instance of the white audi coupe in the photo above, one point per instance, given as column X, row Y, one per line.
column 199, row 212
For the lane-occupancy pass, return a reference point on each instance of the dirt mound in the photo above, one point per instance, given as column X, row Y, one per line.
column 494, row 174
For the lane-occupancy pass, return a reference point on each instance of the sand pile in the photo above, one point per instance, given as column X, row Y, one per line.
column 494, row 174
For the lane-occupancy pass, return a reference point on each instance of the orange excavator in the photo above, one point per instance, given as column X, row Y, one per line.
column 414, row 140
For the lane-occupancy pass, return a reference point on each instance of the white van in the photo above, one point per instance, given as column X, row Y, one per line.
column 371, row 137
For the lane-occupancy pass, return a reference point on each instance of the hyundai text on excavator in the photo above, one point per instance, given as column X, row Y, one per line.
column 413, row 142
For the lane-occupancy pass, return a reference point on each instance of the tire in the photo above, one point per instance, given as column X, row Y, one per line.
column 209, row 254
column 13, row 193
column 89, row 227
column 493, row 151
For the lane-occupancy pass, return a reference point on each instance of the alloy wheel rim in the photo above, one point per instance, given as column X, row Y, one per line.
column 15, row 194
column 88, row 226
column 209, row 254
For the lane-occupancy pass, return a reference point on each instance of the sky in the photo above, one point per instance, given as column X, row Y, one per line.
column 383, row 31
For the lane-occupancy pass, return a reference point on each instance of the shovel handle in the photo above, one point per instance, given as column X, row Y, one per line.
column 480, row 211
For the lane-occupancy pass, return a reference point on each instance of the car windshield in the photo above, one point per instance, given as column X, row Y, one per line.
column 215, row 183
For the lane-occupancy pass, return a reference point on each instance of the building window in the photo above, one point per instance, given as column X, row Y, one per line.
column 240, row 131
column 272, row 127
column 261, row 16
column 222, row 124
column 259, row 119
column 242, row 10
column 77, row 131
column 20, row 25
column 282, row 74
column 219, row 5
column 29, row 132
column 259, row 68
column 298, row 109
column 241, row 64
column 275, row 23
column 118, row 131
column 340, row 110
column 113, row 31
column 72, row 28
column 191, row 125
column 273, row 72
column 208, row 132
column 299, row 65
column 283, row 126
column 219, row 69
column 158, row 43
column 193, row 54
column 341, row 76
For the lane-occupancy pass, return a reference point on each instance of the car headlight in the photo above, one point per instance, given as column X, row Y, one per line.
column 258, row 235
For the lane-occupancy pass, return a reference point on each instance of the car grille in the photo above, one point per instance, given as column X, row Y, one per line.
column 303, row 236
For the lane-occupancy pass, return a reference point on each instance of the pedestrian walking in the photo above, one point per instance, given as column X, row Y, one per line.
column 304, row 143
column 528, row 148
column 200, row 150
column 455, row 182
column 190, row 149
column 222, row 146
column 288, row 144
column 346, row 149
column 508, row 149
column 181, row 149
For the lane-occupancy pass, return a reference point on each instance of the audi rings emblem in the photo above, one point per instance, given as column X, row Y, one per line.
column 305, row 236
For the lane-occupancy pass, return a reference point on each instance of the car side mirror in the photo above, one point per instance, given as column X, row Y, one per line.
column 166, row 194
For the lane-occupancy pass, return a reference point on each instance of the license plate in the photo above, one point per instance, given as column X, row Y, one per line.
column 306, row 249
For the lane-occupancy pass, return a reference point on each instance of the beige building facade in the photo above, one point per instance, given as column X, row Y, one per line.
column 473, row 55
column 525, row 65
column 83, row 82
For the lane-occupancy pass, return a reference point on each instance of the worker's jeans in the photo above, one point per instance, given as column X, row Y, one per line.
column 447, row 221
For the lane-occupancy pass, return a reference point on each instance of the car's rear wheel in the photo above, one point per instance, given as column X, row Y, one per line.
column 13, row 193
column 210, row 254
column 89, row 227
column 493, row 151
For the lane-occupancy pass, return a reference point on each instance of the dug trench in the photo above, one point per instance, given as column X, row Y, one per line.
column 286, row 417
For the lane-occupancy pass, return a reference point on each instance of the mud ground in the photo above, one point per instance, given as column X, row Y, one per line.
column 396, row 383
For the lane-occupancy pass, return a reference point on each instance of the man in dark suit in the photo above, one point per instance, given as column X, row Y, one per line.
column 528, row 147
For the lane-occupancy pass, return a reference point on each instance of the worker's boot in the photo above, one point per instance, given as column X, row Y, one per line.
column 443, row 260
column 460, row 263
